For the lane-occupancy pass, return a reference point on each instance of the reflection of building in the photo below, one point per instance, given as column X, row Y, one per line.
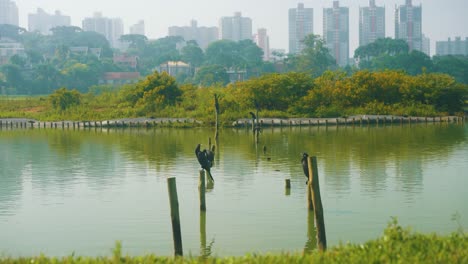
column 263, row 41
column 336, row 32
column 371, row 23
column 119, row 78
column 452, row 47
column 174, row 68
column 408, row 25
column 8, row 49
column 138, row 28
column 111, row 28
column 202, row 35
column 235, row 28
column 301, row 24
column 8, row 13
column 43, row 22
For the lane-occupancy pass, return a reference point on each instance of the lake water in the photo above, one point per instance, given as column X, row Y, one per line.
column 65, row 191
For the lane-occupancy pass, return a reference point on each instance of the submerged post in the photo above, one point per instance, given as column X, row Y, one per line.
column 202, row 190
column 317, row 201
column 174, row 203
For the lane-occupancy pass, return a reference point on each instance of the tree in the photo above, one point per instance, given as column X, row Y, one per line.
column 153, row 93
column 314, row 59
column 137, row 42
column 11, row 31
column 62, row 99
column 192, row 54
column 456, row 66
column 211, row 74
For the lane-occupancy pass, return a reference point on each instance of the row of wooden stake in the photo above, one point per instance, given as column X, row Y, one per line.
column 314, row 202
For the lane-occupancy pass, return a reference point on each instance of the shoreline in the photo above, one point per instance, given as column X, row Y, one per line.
column 243, row 122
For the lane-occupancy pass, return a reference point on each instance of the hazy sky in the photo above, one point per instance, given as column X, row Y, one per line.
column 441, row 18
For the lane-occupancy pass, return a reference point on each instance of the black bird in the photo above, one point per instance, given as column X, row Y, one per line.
column 202, row 158
column 210, row 153
column 253, row 115
column 305, row 165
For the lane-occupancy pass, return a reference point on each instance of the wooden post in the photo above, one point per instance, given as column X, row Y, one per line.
column 317, row 201
column 174, row 202
column 202, row 190
column 288, row 187
column 310, row 203
column 1, row 123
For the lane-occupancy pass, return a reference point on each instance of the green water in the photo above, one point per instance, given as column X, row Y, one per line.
column 65, row 191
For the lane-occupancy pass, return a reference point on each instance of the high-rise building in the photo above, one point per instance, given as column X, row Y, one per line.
column 336, row 32
column 8, row 13
column 408, row 24
column 43, row 22
column 371, row 23
column 426, row 45
column 452, row 47
column 235, row 28
column 111, row 28
column 138, row 28
column 301, row 24
column 202, row 35
column 263, row 41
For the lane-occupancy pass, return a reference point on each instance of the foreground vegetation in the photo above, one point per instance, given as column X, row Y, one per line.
column 396, row 245
column 333, row 94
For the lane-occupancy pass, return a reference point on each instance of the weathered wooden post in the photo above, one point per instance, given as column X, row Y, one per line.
column 288, row 187
column 1, row 124
column 174, row 203
column 326, row 122
column 202, row 190
column 317, row 201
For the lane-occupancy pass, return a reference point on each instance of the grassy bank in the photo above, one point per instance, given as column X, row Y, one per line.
column 333, row 94
column 396, row 245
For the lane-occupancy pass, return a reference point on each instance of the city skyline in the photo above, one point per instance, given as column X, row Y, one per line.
column 441, row 20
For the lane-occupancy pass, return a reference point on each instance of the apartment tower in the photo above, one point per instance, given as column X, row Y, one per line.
column 301, row 24
column 336, row 32
column 371, row 23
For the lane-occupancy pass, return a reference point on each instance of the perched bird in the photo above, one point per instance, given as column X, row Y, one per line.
column 202, row 157
column 210, row 153
column 253, row 115
column 305, row 165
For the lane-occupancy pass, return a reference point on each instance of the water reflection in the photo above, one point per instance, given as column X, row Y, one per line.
column 102, row 167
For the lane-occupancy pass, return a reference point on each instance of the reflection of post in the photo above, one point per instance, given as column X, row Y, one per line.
column 203, row 249
column 317, row 201
column 288, row 187
column 311, row 242
column 201, row 189
column 216, row 115
column 176, row 231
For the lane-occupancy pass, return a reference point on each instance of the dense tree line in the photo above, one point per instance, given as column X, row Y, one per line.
column 49, row 65
column 333, row 94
